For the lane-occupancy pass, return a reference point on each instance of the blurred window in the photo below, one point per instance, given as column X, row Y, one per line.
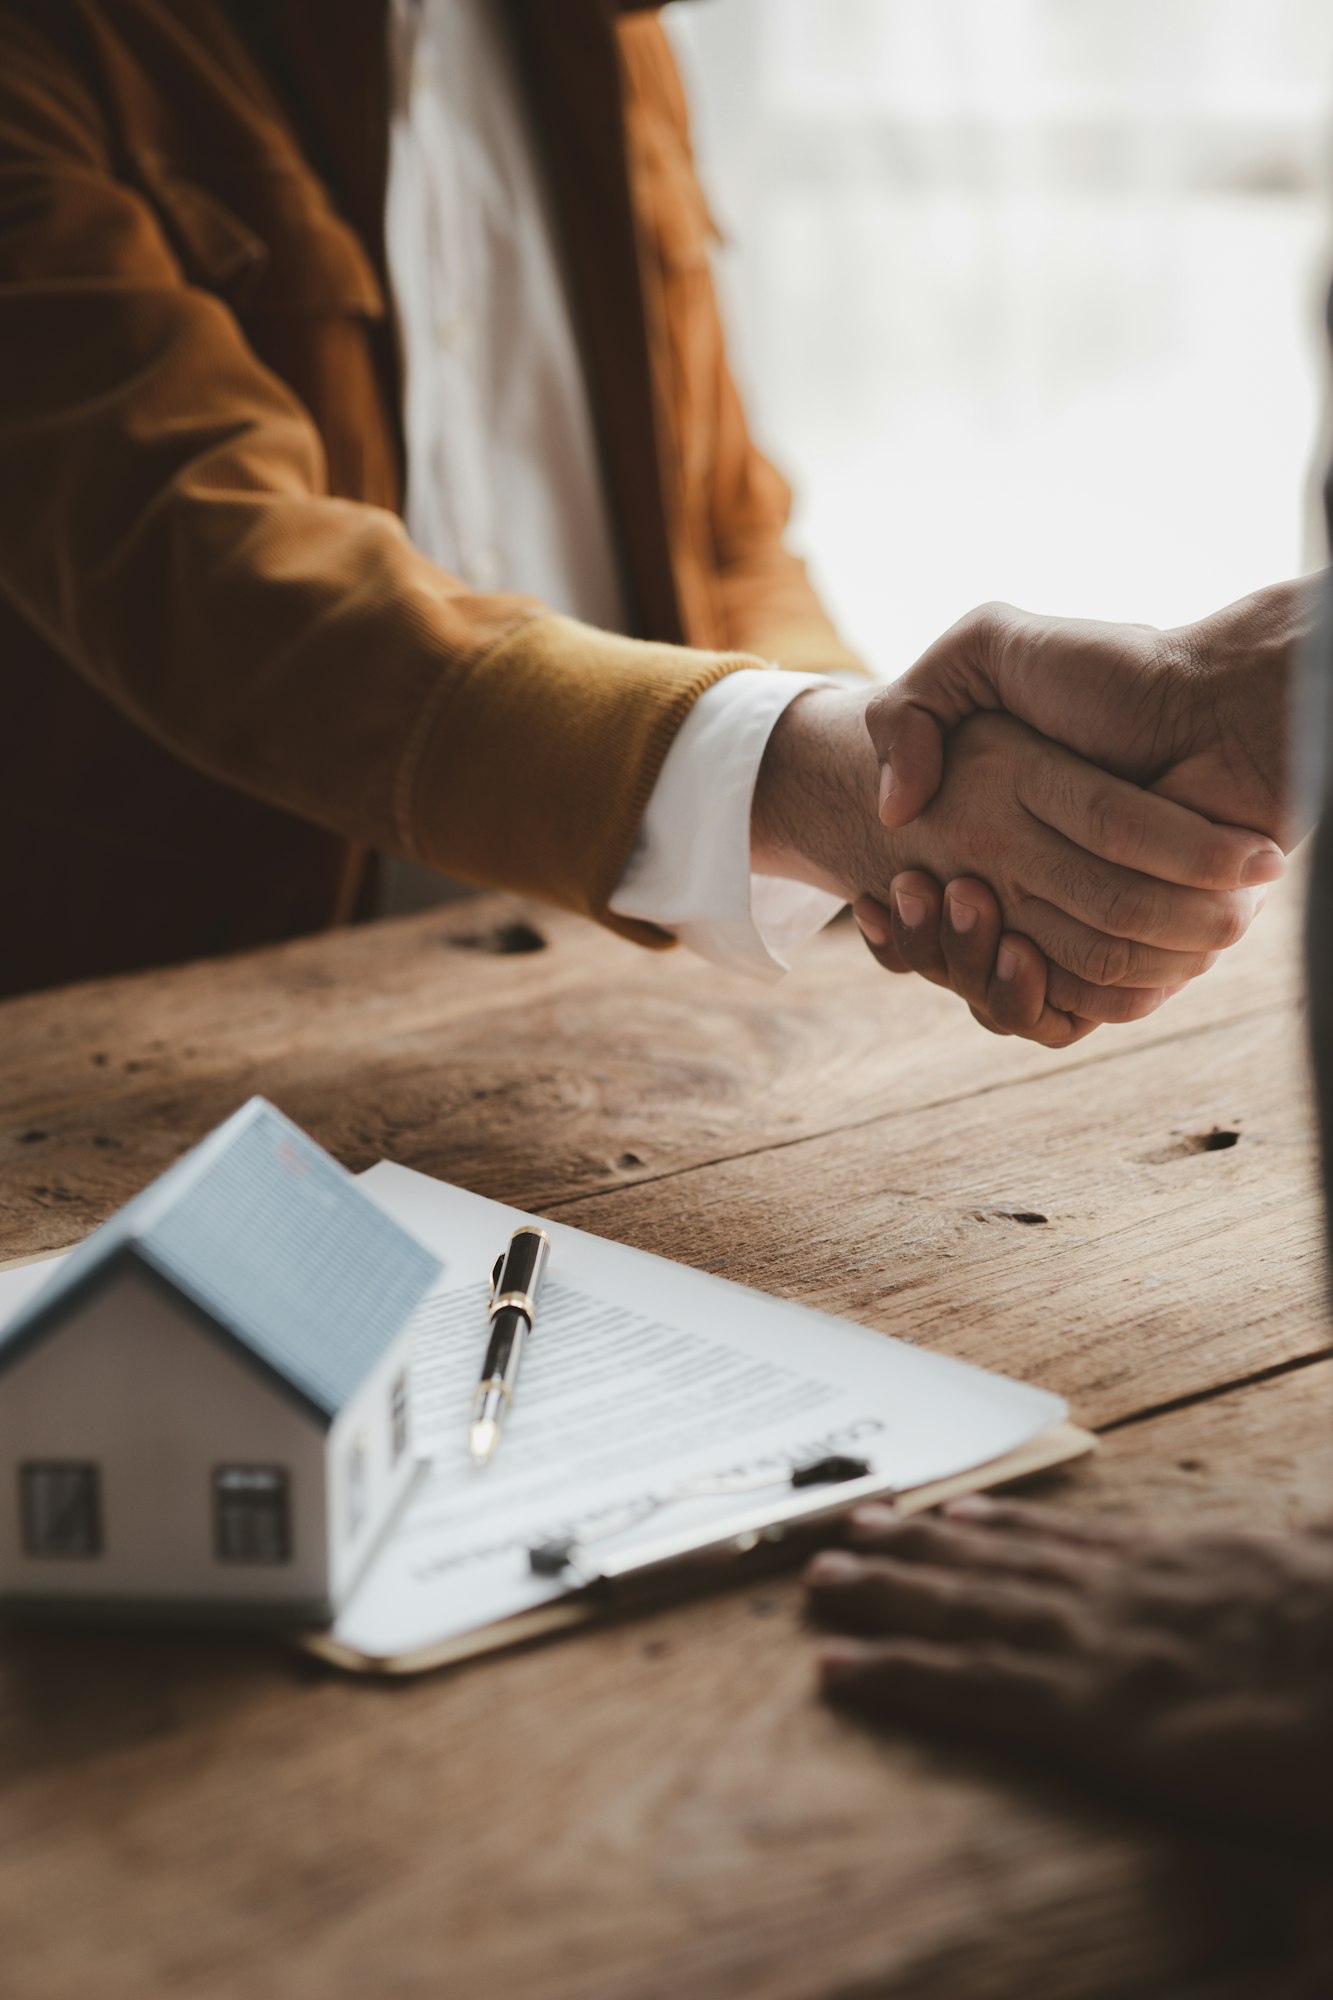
column 1027, row 294
column 251, row 1514
column 61, row 1508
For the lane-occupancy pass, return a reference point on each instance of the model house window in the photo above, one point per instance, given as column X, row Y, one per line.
column 61, row 1505
column 356, row 1486
column 251, row 1517
column 398, row 1417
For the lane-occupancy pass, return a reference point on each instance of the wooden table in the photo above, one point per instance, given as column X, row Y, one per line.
column 663, row 1808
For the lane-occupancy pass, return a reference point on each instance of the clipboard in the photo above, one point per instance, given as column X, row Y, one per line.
column 675, row 1568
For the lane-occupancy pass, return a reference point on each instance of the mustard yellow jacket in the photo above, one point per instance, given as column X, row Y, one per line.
column 227, row 680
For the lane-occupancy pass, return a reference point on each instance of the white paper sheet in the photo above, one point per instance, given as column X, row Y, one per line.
column 640, row 1374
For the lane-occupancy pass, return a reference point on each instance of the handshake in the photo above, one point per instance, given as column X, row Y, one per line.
column 1105, row 803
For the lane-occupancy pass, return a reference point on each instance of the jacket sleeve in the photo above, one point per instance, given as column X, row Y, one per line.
column 762, row 598
column 165, row 522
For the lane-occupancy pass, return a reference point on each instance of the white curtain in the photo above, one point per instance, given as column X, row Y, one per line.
column 1028, row 293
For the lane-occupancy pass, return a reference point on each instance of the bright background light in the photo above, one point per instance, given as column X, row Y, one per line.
column 1027, row 294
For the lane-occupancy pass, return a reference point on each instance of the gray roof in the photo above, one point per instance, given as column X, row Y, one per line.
column 277, row 1247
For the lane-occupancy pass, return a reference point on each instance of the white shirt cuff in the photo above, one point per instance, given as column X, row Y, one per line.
column 690, row 871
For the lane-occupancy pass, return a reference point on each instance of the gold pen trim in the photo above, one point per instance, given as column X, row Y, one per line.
column 492, row 1382
column 520, row 1301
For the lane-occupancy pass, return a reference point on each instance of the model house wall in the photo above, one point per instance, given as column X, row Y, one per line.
column 371, row 1462
column 135, row 1386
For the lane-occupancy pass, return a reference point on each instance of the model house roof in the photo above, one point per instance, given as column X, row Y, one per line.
column 273, row 1243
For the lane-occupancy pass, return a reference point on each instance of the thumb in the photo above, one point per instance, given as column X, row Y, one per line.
column 909, row 743
column 909, row 720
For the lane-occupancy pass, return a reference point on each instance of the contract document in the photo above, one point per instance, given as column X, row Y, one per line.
column 641, row 1376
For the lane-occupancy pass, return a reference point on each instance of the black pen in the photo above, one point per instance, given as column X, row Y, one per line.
column 513, row 1309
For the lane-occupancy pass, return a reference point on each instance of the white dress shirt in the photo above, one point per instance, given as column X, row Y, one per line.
column 504, row 487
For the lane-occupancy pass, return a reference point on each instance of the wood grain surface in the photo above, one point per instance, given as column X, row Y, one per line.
column 662, row 1808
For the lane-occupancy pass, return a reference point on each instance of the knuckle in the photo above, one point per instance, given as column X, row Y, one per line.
column 920, row 1541
column 1230, row 923
column 990, row 617
column 1140, row 1001
column 1106, row 961
column 1053, row 1031
column 1129, row 909
column 1114, row 827
column 1081, row 999
column 1104, row 1003
column 1067, row 993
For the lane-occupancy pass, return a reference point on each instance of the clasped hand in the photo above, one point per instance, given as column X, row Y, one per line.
column 1098, row 853
column 1110, row 898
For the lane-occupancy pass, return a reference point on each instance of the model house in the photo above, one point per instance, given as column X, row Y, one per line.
column 207, row 1406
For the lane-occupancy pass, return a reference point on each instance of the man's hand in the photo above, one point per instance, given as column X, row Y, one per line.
column 1076, row 858
column 1192, row 1670
column 956, row 938
column 1201, row 714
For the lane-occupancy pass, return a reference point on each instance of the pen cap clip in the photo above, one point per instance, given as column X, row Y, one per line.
column 518, row 1273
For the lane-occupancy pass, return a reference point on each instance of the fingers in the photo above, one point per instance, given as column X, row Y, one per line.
column 1098, row 957
column 1012, row 998
column 970, row 936
column 984, row 1619
column 1113, row 900
column 1144, row 832
column 916, row 906
column 1026, row 1517
column 1053, row 1031
column 942, row 1544
column 926, row 935
column 1081, row 819
column 875, row 924
column 1005, row 979
column 1008, row 989
column 1079, row 997
column 874, row 1595
column 1002, row 978
column 905, row 943
column 956, row 941
column 953, row 940
column 987, row 1689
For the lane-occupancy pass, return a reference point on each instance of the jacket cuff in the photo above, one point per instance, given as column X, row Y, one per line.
column 533, row 768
